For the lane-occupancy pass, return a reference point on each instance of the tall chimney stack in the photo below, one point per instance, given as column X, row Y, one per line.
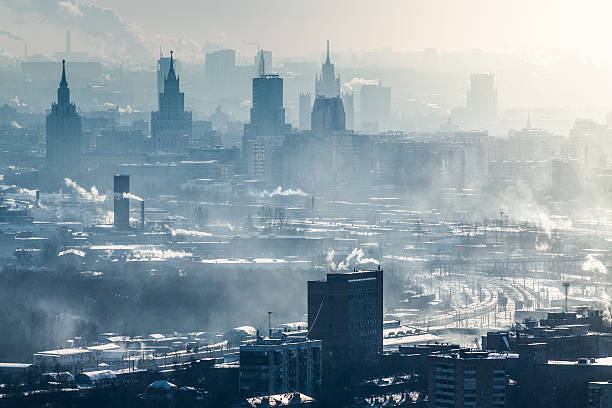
column 122, row 203
column 142, row 214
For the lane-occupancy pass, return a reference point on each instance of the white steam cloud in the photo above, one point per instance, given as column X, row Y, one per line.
column 354, row 259
column 594, row 265
column 129, row 196
column 91, row 195
column 100, row 24
column 278, row 191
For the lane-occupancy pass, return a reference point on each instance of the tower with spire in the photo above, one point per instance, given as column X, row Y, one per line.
column 327, row 84
column 63, row 132
column 267, row 122
column 171, row 125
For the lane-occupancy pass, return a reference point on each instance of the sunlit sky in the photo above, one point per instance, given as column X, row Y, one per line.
column 294, row 28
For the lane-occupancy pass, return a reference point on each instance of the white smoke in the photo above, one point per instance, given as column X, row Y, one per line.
column 192, row 233
column 279, row 191
column 129, row 196
column 92, row 195
column 354, row 259
column 116, row 39
column 594, row 265
column 357, row 83
column 158, row 254
column 16, row 125
column 329, row 259
column 23, row 190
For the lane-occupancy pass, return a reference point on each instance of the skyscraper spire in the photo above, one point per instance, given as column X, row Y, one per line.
column 528, row 120
column 327, row 59
column 63, row 82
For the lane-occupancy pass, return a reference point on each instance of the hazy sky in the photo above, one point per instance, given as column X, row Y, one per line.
column 291, row 28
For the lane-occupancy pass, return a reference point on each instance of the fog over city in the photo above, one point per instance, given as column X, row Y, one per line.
column 322, row 204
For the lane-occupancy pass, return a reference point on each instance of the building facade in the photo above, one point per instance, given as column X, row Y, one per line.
column 274, row 366
column 328, row 115
column 171, row 125
column 346, row 314
column 467, row 379
column 63, row 129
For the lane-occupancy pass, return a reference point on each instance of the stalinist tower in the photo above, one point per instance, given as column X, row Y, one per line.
column 63, row 129
column 171, row 125
column 327, row 85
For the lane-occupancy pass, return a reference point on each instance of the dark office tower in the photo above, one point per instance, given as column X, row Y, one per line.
column 219, row 70
column 375, row 107
column 482, row 98
column 349, row 109
column 63, row 130
column 122, row 202
column 171, row 125
column 346, row 313
column 327, row 85
column 267, row 115
column 328, row 115
column 163, row 66
column 305, row 110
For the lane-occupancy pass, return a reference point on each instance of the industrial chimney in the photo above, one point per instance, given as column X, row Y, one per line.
column 142, row 214
column 122, row 202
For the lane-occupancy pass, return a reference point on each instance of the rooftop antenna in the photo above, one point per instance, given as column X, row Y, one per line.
column 261, row 69
column 566, row 285
column 269, row 324
column 327, row 59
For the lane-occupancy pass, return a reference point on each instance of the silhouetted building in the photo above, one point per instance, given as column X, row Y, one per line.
column 346, row 313
column 375, row 107
column 267, row 120
column 121, row 201
column 63, row 137
column 327, row 85
column 482, row 98
column 171, row 125
column 274, row 366
column 349, row 109
column 305, row 107
column 219, row 72
column 328, row 115
column 467, row 379
column 163, row 67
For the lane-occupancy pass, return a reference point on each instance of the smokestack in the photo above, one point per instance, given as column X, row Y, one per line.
column 25, row 49
column 68, row 44
column 142, row 214
column 37, row 196
column 122, row 203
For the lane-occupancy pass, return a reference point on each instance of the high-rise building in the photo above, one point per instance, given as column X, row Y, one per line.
column 63, row 130
column 171, row 125
column 274, row 366
column 163, row 66
column 346, row 313
column 267, row 117
column 305, row 106
column 327, row 84
column 467, row 379
column 328, row 115
column 482, row 98
column 375, row 107
column 219, row 72
column 349, row 109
